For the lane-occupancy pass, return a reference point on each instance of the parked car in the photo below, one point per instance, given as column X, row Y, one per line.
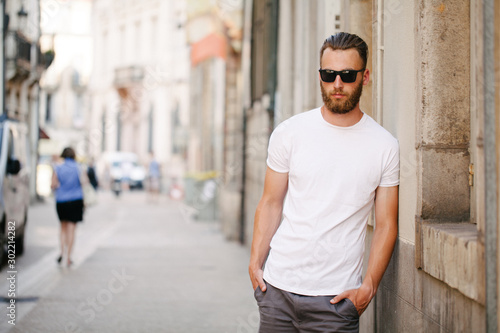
column 124, row 168
column 14, row 186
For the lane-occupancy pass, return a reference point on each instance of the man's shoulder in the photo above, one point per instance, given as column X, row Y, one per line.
column 381, row 132
column 300, row 119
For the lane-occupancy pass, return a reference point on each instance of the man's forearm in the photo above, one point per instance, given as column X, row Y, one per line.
column 384, row 236
column 384, row 239
column 267, row 220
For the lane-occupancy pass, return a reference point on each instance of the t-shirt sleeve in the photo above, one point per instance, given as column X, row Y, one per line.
column 390, row 175
column 278, row 157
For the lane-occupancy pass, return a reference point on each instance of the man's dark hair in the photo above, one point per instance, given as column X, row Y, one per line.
column 68, row 152
column 345, row 41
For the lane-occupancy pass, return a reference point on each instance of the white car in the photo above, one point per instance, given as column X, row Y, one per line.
column 14, row 187
column 125, row 167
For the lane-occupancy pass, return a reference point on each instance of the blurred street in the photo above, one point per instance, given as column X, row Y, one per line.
column 139, row 267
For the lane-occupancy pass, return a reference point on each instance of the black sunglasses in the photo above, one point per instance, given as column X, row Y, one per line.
column 347, row 76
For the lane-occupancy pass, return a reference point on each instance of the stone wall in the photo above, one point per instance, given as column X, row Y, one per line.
column 232, row 178
column 258, row 132
column 409, row 300
column 435, row 281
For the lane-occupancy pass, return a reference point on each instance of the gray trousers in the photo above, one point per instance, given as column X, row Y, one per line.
column 285, row 312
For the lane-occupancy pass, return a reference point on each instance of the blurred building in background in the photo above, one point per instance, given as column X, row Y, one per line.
column 23, row 66
column 213, row 183
column 64, row 104
column 139, row 85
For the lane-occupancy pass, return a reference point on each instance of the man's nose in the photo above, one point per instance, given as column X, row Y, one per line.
column 338, row 82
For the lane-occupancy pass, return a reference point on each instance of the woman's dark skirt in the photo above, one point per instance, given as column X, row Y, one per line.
column 70, row 211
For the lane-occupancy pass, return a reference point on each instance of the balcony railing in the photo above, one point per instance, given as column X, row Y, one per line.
column 18, row 52
column 125, row 76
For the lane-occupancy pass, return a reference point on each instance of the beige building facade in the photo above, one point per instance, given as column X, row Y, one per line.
column 213, row 182
column 433, row 69
column 139, row 85
column 23, row 67
column 64, row 104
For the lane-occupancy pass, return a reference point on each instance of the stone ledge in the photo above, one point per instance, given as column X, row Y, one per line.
column 452, row 253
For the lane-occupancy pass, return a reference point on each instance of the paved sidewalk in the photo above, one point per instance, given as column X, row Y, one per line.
column 143, row 267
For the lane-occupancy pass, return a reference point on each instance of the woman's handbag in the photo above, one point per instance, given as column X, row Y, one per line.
column 89, row 193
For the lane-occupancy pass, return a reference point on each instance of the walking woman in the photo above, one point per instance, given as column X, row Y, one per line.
column 69, row 200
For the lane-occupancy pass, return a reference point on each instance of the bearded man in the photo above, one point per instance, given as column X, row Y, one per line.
column 326, row 169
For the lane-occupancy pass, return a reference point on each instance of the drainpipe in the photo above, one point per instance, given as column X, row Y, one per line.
column 272, row 67
column 380, row 59
column 379, row 101
column 4, row 27
column 246, row 104
column 490, row 168
column 242, row 233
column 33, row 88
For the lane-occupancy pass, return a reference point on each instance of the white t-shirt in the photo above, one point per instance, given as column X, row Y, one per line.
column 333, row 173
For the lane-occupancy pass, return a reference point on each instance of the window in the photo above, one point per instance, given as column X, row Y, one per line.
column 138, row 41
column 150, row 129
column 154, row 36
column 264, row 48
column 48, row 109
column 78, row 118
column 123, row 43
column 118, row 131
column 104, row 53
column 103, row 130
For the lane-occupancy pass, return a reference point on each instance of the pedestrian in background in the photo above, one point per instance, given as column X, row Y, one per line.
column 69, row 200
column 333, row 164
column 154, row 176
column 91, row 174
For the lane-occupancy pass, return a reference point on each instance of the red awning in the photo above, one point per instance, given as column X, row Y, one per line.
column 211, row 46
column 42, row 134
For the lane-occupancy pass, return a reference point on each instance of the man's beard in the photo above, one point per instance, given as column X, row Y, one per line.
column 341, row 107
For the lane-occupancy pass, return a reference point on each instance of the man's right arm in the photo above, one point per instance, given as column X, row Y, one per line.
column 266, row 222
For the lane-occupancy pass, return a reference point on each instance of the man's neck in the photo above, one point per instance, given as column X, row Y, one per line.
column 342, row 120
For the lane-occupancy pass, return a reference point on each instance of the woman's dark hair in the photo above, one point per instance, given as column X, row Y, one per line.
column 345, row 41
column 68, row 152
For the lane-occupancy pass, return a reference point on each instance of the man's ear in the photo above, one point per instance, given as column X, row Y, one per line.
column 366, row 77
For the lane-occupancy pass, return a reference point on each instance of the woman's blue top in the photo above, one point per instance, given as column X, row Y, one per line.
column 68, row 175
column 154, row 169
